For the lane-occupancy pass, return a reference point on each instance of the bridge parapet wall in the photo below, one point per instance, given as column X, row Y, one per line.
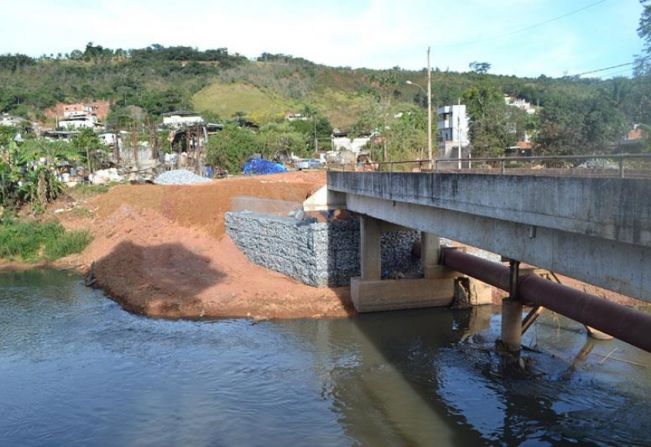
column 610, row 208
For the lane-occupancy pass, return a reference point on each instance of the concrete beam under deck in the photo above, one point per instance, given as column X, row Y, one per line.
column 594, row 230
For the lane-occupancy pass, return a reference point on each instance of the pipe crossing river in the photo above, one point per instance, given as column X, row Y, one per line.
column 623, row 322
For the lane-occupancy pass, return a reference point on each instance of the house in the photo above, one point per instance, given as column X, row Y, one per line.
column 100, row 109
column 180, row 119
column 453, row 128
column 112, row 139
column 54, row 135
column 521, row 149
column 342, row 142
column 79, row 120
column 520, row 103
column 79, row 115
column 635, row 134
column 7, row 120
column 634, row 141
column 290, row 116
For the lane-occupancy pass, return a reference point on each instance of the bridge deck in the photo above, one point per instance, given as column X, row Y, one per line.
column 596, row 229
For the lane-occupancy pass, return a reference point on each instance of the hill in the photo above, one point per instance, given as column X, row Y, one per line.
column 141, row 84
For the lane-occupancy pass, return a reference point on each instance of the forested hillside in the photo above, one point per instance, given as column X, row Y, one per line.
column 575, row 114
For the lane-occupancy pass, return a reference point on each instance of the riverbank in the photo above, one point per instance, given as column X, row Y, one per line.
column 161, row 251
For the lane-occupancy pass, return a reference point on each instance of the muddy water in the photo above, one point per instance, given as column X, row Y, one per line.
column 77, row 370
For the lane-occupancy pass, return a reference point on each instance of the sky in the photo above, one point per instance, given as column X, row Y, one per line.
column 517, row 37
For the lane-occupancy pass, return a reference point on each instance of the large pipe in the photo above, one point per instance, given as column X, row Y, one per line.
column 489, row 272
column 624, row 323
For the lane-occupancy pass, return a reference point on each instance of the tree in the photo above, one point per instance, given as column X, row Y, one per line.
column 231, row 147
column 407, row 134
column 384, row 87
column 275, row 139
column 88, row 145
column 643, row 62
column 574, row 125
column 637, row 104
column 479, row 67
column 315, row 128
column 490, row 130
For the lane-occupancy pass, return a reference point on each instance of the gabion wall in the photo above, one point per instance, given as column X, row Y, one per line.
column 315, row 253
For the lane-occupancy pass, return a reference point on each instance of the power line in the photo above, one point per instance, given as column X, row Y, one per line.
column 604, row 69
column 526, row 28
column 597, row 70
column 612, row 75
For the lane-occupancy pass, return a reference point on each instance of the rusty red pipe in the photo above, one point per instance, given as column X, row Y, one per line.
column 624, row 323
column 489, row 272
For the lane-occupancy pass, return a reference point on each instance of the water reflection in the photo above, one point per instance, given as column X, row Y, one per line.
column 77, row 370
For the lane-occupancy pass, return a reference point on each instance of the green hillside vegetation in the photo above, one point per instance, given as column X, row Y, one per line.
column 229, row 100
column 576, row 115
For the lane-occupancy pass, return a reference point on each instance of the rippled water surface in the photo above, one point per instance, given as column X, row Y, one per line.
column 75, row 369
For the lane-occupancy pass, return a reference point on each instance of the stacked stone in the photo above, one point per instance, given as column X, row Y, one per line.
column 337, row 251
column 317, row 254
column 282, row 244
column 397, row 258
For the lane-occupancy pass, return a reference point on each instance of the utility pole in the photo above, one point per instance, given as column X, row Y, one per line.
column 428, row 91
column 429, row 111
column 316, row 140
column 459, row 130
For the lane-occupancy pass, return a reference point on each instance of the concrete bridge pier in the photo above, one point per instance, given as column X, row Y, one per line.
column 371, row 293
column 511, row 334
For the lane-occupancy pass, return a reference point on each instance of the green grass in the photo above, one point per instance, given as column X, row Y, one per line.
column 84, row 190
column 36, row 241
column 342, row 105
column 65, row 244
column 81, row 212
column 341, row 109
column 257, row 104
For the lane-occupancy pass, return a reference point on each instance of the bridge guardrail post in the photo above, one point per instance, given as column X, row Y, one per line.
column 621, row 166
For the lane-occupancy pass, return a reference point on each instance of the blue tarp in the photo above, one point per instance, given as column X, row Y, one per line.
column 258, row 166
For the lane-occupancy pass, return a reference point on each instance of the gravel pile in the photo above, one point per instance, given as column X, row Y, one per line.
column 180, row 177
column 599, row 163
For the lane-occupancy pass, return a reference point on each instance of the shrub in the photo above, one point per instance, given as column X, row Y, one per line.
column 34, row 241
column 66, row 244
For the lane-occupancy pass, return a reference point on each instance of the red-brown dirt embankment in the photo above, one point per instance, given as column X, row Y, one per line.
column 161, row 251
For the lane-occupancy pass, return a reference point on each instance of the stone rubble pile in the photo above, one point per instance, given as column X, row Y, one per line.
column 180, row 177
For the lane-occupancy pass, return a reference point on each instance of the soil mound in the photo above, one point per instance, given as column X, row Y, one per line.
column 161, row 251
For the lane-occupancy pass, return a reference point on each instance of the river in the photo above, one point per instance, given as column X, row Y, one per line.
column 77, row 370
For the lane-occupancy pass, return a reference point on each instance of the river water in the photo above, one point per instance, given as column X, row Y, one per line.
column 77, row 370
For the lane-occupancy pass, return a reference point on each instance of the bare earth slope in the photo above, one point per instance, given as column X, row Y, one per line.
column 161, row 251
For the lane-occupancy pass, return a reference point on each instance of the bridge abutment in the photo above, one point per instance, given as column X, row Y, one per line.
column 371, row 293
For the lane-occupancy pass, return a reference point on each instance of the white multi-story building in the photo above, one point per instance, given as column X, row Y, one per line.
column 453, row 127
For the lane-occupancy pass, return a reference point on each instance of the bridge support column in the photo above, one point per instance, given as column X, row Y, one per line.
column 370, row 293
column 430, row 255
column 370, row 251
column 511, row 339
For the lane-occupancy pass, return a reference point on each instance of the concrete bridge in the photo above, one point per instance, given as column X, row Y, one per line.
column 597, row 230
